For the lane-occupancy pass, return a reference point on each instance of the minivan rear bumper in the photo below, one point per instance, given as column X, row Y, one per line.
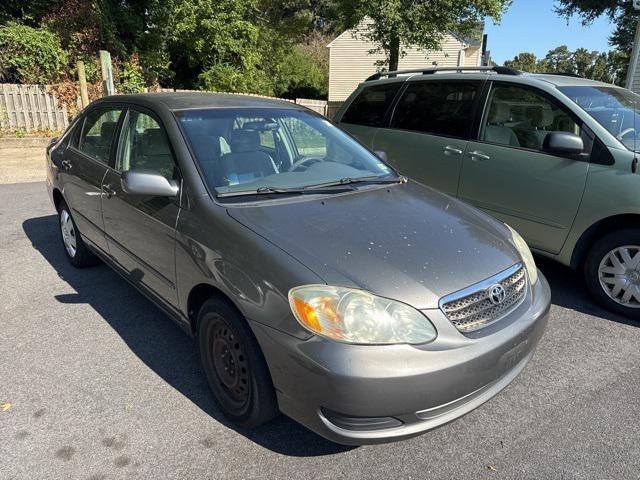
column 360, row 394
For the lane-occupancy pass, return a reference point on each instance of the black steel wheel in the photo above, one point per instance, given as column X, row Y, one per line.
column 234, row 365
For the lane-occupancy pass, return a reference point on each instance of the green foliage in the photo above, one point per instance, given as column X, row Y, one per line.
column 230, row 79
column 620, row 12
column 526, row 62
column 30, row 55
column 407, row 22
column 131, row 77
column 606, row 67
column 300, row 75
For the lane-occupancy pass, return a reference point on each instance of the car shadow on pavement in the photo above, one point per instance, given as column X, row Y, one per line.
column 568, row 290
column 159, row 343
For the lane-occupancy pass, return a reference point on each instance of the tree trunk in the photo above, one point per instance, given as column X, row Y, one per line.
column 394, row 53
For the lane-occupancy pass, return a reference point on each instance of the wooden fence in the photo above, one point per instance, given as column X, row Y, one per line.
column 33, row 108
column 30, row 108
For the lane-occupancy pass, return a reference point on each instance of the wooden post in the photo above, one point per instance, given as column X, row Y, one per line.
column 107, row 73
column 82, row 80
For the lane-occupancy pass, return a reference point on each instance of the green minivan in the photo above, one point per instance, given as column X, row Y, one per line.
column 554, row 156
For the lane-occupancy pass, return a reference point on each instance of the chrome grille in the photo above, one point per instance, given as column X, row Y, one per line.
column 472, row 308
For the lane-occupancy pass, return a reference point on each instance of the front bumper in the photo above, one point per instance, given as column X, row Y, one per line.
column 344, row 392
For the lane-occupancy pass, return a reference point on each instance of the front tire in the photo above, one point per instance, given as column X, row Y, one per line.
column 234, row 365
column 74, row 247
column 612, row 272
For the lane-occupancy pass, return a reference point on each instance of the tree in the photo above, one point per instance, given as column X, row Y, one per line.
column 525, row 62
column 606, row 66
column 421, row 23
column 620, row 12
column 559, row 60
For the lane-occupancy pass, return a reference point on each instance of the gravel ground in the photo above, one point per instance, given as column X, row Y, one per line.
column 96, row 383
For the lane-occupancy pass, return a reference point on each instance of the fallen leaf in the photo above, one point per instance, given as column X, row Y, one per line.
column 6, row 406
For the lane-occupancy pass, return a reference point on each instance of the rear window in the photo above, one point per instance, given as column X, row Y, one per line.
column 371, row 105
column 438, row 108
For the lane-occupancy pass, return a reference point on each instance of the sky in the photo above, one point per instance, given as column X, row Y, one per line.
column 533, row 26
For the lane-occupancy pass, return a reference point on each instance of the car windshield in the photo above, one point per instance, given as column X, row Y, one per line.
column 276, row 150
column 616, row 109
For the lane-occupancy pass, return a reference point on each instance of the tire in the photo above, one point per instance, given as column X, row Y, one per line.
column 234, row 365
column 72, row 244
column 612, row 267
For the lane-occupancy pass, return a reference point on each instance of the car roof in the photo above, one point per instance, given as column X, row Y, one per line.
column 523, row 77
column 196, row 100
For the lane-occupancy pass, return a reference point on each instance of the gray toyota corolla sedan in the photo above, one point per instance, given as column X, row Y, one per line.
column 317, row 281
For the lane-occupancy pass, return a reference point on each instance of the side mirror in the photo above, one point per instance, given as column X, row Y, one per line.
column 563, row 143
column 382, row 155
column 148, row 182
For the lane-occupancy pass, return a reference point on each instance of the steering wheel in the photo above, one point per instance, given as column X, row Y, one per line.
column 626, row 132
column 304, row 163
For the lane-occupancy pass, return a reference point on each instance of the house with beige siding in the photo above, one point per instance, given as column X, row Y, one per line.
column 633, row 74
column 350, row 62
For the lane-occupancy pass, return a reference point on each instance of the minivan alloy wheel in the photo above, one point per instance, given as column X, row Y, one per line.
column 619, row 275
column 68, row 233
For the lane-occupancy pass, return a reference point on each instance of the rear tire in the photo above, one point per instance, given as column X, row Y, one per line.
column 74, row 247
column 612, row 272
column 234, row 365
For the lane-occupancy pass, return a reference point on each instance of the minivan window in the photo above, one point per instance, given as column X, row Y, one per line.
column 616, row 109
column 437, row 108
column 306, row 149
column 521, row 117
column 98, row 132
column 370, row 106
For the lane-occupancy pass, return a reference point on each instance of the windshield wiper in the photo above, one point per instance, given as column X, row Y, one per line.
column 315, row 189
column 348, row 181
column 280, row 190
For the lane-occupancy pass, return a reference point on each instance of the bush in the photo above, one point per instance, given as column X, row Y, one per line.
column 301, row 76
column 131, row 77
column 30, row 55
column 230, row 79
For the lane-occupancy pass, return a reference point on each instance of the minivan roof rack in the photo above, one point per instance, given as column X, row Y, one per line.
column 563, row 74
column 429, row 71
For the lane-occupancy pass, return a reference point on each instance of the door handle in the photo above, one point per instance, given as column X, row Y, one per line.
column 476, row 155
column 66, row 164
column 449, row 150
column 108, row 189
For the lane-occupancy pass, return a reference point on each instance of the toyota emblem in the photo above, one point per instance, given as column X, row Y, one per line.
column 496, row 293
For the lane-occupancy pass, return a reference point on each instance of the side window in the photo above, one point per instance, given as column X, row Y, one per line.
column 97, row 134
column 145, row 146
column 437, row 108
column 371, row 105
column 521, row 117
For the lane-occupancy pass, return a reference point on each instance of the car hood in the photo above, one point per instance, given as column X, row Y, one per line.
column 406, row 242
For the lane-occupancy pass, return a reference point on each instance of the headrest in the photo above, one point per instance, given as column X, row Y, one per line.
column 154, row 142
column 547, row 116
column 107, row 129
column 245, row 141
column 207, row 147
column 541, row 116
column 500, row 112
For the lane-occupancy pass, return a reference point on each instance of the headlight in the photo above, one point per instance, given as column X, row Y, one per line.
column 525, row 253
column 355, row 316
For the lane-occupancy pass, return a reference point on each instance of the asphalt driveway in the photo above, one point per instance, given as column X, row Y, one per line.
column 96, row 383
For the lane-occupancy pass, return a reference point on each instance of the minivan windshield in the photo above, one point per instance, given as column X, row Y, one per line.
column 616, row 109
column 260, row 150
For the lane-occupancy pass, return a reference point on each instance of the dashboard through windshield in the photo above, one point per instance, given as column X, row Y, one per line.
column 270, row 149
